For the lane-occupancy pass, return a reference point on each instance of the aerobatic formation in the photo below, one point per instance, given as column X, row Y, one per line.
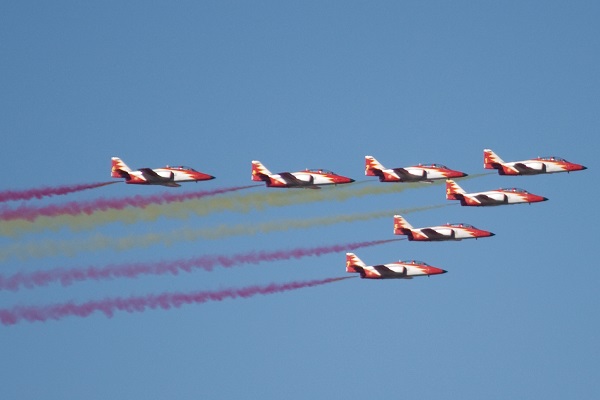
column 170, row 176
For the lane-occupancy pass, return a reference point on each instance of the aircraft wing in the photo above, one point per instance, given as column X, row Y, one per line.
column 407, row 176
column 385, row 272
column 152, row 177
column 433, row 234
column 483, row 199
column 291, row 180
column 524, row 169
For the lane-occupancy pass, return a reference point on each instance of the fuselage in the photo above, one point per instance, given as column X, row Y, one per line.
column 173, row 174
column 443, row 232
column 317, row 177
column 535, row 166
column 398, row 270
column 499, row 197
column 418, row 173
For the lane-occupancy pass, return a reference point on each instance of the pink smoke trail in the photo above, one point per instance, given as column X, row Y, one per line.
column 15, row 195
column 133, row 270
column 165, row 301
column 30, row 213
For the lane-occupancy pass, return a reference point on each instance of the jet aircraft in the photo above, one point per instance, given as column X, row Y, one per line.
column 309, row 178
column 167, row 176
column 490, row 198
column 437, row 233
column 415, row 173
column 540, row 165
column 395, row 270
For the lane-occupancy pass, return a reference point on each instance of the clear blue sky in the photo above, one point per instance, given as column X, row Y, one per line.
column 216, row 84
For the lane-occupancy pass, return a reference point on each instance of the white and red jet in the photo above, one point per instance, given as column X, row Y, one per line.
column 540, row 165
column 309, row 178
column 438, row 233
column 395, row 270
column 490, row 198
column 415, row 173
column 167, row 176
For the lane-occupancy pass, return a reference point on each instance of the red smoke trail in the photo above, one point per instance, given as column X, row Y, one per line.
column 30, row 213
column 14, row 195
column 132, row 270
column 141, row 303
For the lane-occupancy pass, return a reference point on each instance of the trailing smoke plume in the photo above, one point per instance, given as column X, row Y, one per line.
column 49, row 248
column 79, row 216
column 76, row 208
column 166, row 301
column 38, row 193
column 133, row 270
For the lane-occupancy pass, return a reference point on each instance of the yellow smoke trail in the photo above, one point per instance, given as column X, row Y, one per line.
column 48, row 248
column 182, row 210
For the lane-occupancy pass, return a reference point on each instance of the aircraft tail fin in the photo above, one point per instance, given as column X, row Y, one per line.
column 353, row 261
column 401, row 226
column 119, row 168
column 491, row 160
column 372, row 166
column 452, row 190
column 259, row 171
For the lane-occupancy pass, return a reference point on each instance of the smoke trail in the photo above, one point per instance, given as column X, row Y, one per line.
column 48, row 248
column 14, row 195
column 56, row 218
column 165, row 301
column 204, row 206
column 75, row 208
column 133, row 270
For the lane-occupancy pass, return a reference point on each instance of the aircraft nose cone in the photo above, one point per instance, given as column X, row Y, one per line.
column 582, row 167
column 545, row 199
column 491, row 234
column 436, row 271
column 343, row 179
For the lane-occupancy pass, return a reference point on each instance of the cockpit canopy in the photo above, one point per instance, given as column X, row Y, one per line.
column 320, row 171
column 461, row 225
column 414, row 262
column 433, row 165
column 514, row 190
column 552, row 158
column 181, row 167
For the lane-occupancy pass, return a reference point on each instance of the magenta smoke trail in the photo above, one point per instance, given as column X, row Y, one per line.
column 133, row 270
column 15, row 195
column 30, row 213
column 165, row 301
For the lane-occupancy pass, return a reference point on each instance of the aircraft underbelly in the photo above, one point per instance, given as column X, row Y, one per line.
column 515, row 199
column 435, row 175
column 303, row 177
column 321, row 180
column 414, row 272
column 550, row 168
column 460, row 234
column 415, row 174
column 494, row 198
column 444, row 231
